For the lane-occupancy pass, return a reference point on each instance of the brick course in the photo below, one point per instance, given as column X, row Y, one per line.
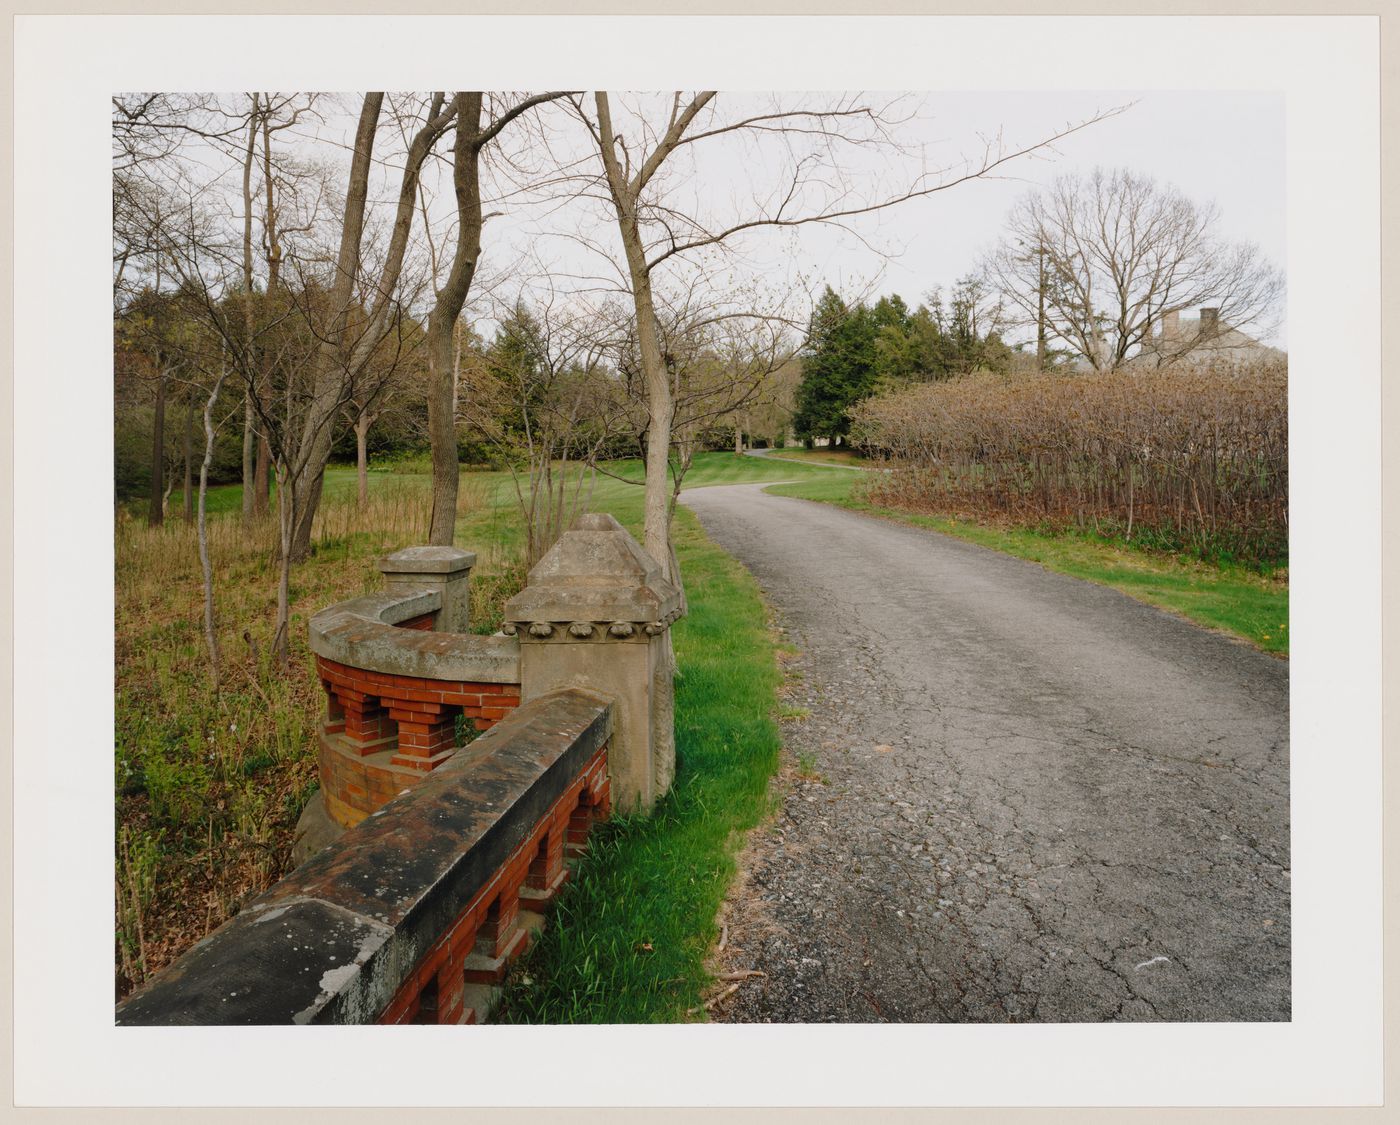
column 482, row 940
column 384, row 732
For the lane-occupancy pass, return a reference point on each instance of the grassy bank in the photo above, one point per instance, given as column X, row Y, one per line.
column 627, row 943
column 209, row 782
column 1232, row 599
column 209, row 785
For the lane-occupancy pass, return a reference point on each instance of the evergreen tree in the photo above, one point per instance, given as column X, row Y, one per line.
column 855, row 351
column 839, row 366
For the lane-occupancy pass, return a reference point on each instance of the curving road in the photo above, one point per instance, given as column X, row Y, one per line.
column 1021, row 797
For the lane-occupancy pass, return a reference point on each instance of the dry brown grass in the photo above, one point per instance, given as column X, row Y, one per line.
column 209, row 784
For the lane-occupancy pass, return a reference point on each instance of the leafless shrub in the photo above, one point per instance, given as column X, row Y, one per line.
column 1185, row 458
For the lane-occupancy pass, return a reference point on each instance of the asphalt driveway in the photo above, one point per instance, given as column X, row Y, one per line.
column 1022, row 797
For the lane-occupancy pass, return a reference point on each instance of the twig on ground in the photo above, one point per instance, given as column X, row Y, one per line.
column 728, row 992
column 713, row 1000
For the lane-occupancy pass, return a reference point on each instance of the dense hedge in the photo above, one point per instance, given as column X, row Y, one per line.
column 1186, row 458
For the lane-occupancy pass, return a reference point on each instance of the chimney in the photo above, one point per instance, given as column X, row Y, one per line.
column 1171, row 323
column 1210, row 321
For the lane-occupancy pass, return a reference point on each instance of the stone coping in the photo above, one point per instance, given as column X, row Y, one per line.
column 428, row 560
column 335, row 939
column 363, row 633
column 596, row 573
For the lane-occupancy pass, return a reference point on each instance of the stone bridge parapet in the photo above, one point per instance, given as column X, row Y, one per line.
column 412, row 916
column 426, row 859
column 397, row 685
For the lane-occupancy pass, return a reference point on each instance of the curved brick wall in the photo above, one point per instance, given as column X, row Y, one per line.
column 394, row 690
column 383, row 732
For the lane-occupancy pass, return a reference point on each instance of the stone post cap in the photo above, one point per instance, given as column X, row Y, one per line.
column 596, row 574
column 428, row 560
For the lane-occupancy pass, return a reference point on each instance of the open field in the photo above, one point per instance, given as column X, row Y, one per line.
column 208, row 786
column 846, row 457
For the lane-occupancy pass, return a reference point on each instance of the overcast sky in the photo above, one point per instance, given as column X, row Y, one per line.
column 1223, row 147
column 1220, row 146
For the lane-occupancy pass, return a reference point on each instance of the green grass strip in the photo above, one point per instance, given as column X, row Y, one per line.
column 627, row 941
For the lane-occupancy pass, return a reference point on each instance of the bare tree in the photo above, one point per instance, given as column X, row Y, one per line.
column 297, row 351
column 721, row 351
column 663, row 220
column 470, row 141
column 1095, row 263
column 211, row 635
column 361, row 312
column 250, row 439
column 545, row 396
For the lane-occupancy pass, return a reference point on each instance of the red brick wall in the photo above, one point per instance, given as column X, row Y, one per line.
column 384, row 732
column 480, row 943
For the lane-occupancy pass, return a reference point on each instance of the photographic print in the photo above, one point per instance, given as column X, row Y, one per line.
column 892, row 490
column 737, row 562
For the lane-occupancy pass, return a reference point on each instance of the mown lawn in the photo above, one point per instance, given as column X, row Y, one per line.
column 846, row 457
column 1232, row 599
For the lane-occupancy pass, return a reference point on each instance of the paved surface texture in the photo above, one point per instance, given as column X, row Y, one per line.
column 1018, row 796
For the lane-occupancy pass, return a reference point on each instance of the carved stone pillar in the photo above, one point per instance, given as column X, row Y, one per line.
column 594, row 617
column 444, row 569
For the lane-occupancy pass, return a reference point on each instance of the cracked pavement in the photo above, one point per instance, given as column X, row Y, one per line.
column 1018, row 796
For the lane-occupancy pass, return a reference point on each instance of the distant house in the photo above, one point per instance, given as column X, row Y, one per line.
column 1198, row 339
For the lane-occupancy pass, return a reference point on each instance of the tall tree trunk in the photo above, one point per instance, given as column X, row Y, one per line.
column 660, row 403
column 211, row 636
column 314, row 446
column 249, row 453
column 286, row 505
column 188, row 495
column 655, row 377
column 249, row 430
column 362, row 425
column 308, row 486
column 442, row 435
column 443, row 360
column 442, row 321
column 262, row 478
column 341, row 359
column 156, row 516
column 274, row 248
